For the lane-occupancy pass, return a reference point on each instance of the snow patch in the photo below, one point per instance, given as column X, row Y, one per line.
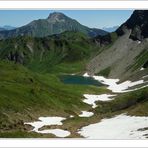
column 71, row 116
column 43, row 121
column 91, row 99
column 46, row 121
column 86, row 75
column 117, row 88
column 58, row 132
column 138, row 88
column 145, row 76
column 118, row 127
column 142, row 69
column 86, row 114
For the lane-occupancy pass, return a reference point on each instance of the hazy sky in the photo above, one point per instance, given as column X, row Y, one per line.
column 90, row 18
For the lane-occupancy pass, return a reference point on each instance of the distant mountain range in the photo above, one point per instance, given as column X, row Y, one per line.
column 110, row 29
column 7, row 27
column 56, row 23
column 1, row 29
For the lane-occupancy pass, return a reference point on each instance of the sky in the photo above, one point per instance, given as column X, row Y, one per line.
column 90, row 18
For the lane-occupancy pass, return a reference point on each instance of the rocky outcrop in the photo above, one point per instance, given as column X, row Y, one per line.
column 138, row 23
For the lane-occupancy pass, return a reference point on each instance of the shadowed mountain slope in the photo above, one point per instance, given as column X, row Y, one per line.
column 126, row 51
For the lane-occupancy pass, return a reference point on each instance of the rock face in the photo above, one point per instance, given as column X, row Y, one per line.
column 138, row 23
column 56, row 23
column 128, row 53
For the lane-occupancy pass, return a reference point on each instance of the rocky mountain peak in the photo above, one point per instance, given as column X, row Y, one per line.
column 57, row 17
column 137, row 23
column 55, row 23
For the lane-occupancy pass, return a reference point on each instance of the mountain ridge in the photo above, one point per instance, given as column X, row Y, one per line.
column 110, row 29
column 127, row 49
column 7, row 27
column 55, row 23
column 138, row 23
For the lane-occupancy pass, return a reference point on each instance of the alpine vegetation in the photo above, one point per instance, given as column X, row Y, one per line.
column 62, row 79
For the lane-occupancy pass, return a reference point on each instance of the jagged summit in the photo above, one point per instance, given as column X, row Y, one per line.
column 57, row 17
column 137, row 23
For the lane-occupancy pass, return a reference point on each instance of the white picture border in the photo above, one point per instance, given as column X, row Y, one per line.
column 72, row 143
column 72, row 5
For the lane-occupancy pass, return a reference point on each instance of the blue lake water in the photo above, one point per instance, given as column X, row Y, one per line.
column 76, row 79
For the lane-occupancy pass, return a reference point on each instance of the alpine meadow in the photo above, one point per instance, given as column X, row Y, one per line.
column 62, row 79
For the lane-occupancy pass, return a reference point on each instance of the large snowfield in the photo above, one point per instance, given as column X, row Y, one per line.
column 121, row 126
column 115, row 87
column 118, row 127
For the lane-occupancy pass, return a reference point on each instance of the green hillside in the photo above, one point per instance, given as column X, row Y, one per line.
column 43, row 54
column 25, row 95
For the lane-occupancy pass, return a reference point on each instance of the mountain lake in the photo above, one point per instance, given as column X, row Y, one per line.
column 81, row 80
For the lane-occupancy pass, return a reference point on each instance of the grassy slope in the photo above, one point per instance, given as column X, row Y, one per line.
column 34, row 95
column 25, row 95
column 141, row 59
